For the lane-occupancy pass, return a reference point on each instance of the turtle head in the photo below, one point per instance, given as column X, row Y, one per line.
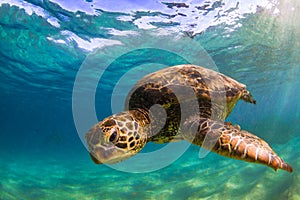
column 116, row 138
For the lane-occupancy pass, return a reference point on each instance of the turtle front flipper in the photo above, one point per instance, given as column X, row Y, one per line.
column 230, row 141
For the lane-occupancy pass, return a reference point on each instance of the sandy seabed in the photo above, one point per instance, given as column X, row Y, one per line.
column 29, row 176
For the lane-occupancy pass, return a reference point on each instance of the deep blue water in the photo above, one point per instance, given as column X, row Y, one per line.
column 52, row 54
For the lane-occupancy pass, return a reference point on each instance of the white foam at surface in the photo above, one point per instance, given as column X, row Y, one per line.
column 89, row 45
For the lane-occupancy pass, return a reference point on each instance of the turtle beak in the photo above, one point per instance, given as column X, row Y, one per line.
column 108, row 154
column 95, row 159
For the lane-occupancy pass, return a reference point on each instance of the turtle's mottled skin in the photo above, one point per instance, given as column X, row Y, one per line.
column 196, row 102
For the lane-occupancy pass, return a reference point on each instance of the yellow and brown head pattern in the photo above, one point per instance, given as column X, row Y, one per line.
column 116, row 138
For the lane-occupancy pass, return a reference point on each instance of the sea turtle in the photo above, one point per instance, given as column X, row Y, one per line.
column 194, row 102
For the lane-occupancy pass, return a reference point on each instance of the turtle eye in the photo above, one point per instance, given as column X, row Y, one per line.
column 113, row 136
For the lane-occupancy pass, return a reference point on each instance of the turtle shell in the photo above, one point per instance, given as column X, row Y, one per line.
column 185, row 91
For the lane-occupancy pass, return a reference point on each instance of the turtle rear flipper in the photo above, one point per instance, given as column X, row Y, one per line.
column 247, row 97
column 230, row 141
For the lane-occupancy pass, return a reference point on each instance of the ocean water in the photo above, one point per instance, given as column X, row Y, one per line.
column 64, row 66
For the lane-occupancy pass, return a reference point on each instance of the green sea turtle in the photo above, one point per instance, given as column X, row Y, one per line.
column 196, row 102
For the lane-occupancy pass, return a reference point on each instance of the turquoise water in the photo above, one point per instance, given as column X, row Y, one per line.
column 53, row 53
